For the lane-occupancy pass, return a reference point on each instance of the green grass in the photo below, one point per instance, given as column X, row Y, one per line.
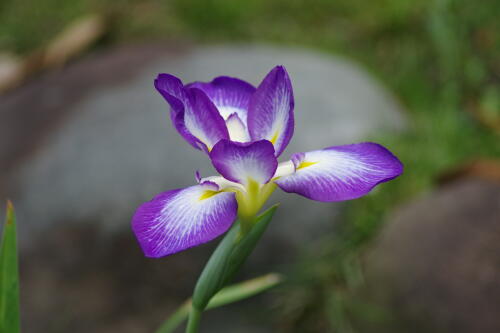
column 440, row 57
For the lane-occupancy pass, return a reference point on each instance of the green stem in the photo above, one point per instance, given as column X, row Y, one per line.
column 194, row 320
column 227, row 295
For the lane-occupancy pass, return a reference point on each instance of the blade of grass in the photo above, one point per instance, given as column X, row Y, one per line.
column 9, row 275
column 227, row 295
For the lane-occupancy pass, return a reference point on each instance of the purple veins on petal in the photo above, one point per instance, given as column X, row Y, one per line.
column 270, row 114
column 193, row 114
column 179, row 219
column 230, row 95
column 341, row 172
column 203, row 120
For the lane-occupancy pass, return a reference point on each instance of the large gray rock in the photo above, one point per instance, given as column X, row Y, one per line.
column 437, row 261
column 89, row 143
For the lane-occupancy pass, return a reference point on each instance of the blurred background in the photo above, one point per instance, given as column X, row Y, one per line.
column 84, row 139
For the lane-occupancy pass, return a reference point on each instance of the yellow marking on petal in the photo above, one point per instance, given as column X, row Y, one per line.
column 275, row 137
column 305, row 164
column 207, row 194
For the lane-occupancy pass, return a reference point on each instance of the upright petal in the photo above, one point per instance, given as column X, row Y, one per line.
column 244, row 162
column 193, row 114
column 179, row 219
column 341, row 172
column 230, row 95
column 270, row 114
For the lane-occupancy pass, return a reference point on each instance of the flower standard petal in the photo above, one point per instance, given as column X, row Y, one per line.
column 192, row 113
column 341, row 172
column 270, row 114
column 179, row 219
column 245, row 162
column 230, row 95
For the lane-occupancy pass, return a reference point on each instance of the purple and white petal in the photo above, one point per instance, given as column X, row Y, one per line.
column 243, row 162
column 193, row 115
column 172, row 89
column 179, row 219
column 270, row 114
column 230, row 95
column 341, row 172
column 202, row 119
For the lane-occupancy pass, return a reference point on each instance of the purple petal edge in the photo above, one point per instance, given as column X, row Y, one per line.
column 342, row 172
column 178, row 219
column 192, row 110
column 238, row 161
column 271, row 109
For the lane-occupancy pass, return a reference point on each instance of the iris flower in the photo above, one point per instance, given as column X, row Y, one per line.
column 244, row 130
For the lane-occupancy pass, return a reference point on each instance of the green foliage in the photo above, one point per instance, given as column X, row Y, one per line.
column 227, row 295
column 9, row 275
column 227, row 259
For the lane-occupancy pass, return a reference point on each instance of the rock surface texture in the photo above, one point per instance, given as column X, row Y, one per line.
column 438, row 260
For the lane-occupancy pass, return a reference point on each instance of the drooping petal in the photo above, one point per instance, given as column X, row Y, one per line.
column 172, row 89
column 193, row 114
column 244, row 162
column 230, row 95
column 270, row 114
column 203, row 120
column 179, row 219
column 341, row 172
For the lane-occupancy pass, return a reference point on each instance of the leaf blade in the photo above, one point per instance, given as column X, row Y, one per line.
column 227, row 295
column 227, row 258
column 9, row 275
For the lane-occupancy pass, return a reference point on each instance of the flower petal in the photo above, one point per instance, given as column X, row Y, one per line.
column 242, row 162
column 230, row 95
column 237, row 129
column 341, row 172
column 203, row 120
column 179, row 219
column 270, row 114
column 193, row 114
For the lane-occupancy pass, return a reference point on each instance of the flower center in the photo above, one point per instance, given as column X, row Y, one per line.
column 252, row 200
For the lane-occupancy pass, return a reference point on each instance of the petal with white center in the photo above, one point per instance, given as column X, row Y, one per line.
column 179, row 219
column 230, row 95
column 341, row 172
column 270, row 114
column 193, row 114
column 245, row 162
column 203, row 120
